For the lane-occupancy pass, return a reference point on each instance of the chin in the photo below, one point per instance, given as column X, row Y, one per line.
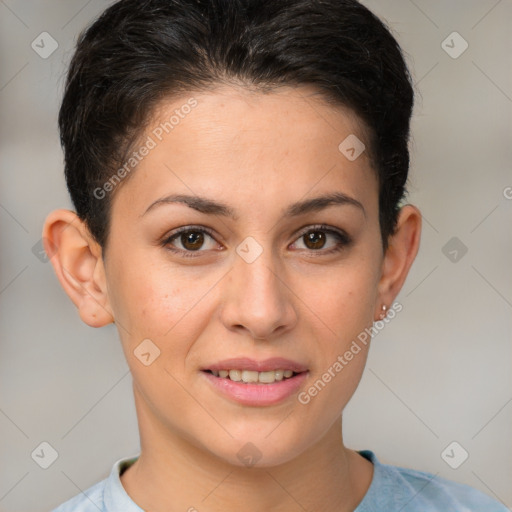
column 256, row 451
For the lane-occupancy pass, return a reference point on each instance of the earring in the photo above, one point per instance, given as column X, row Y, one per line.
column 383, row 314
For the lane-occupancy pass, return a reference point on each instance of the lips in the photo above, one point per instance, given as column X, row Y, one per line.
column 256, row 383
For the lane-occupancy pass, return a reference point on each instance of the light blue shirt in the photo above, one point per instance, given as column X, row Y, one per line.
column 392, row 489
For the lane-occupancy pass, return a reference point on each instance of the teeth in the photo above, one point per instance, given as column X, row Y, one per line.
column 249, row 376
column 235, row 375
column 267, row 377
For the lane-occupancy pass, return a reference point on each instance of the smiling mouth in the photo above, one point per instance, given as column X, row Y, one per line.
column 254, row 377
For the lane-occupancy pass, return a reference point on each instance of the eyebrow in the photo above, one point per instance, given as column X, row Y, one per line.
column 211, row 207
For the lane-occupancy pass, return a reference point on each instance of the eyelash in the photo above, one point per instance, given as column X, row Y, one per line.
column 343, row 239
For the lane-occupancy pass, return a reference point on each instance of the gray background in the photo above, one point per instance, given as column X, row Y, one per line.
column 440, row 372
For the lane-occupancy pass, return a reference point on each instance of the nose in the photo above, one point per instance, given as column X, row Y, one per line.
column 258, row 298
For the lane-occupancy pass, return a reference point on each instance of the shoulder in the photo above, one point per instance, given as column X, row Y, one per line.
column 441, row 492
column 409, row 490
column 108, row 495
column 90, row 500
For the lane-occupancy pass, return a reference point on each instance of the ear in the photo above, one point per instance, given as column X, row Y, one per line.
column 77, row 260
column 402, row 249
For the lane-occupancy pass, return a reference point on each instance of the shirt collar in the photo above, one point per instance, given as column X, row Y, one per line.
column 115, row 497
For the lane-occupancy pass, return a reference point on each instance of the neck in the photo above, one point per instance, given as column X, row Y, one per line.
column 173, row 474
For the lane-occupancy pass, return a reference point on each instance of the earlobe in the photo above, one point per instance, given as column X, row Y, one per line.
column 401, row 252
column 76, row 259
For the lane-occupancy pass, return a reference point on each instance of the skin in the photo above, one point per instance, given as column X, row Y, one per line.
column 257, row 153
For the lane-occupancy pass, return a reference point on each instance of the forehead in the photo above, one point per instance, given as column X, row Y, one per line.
column 247, row 146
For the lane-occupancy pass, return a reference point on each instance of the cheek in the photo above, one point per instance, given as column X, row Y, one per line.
column 342, row 301
column 342, row 307
column 151, row 300
column 169, row 308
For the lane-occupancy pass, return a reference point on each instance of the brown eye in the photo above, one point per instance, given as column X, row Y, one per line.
column 188, row 240
column 192, row 240
column 314, row 239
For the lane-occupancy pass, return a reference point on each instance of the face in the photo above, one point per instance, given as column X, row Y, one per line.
column 264, row 277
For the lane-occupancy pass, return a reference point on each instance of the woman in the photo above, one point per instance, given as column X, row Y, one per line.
column 238, row 170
